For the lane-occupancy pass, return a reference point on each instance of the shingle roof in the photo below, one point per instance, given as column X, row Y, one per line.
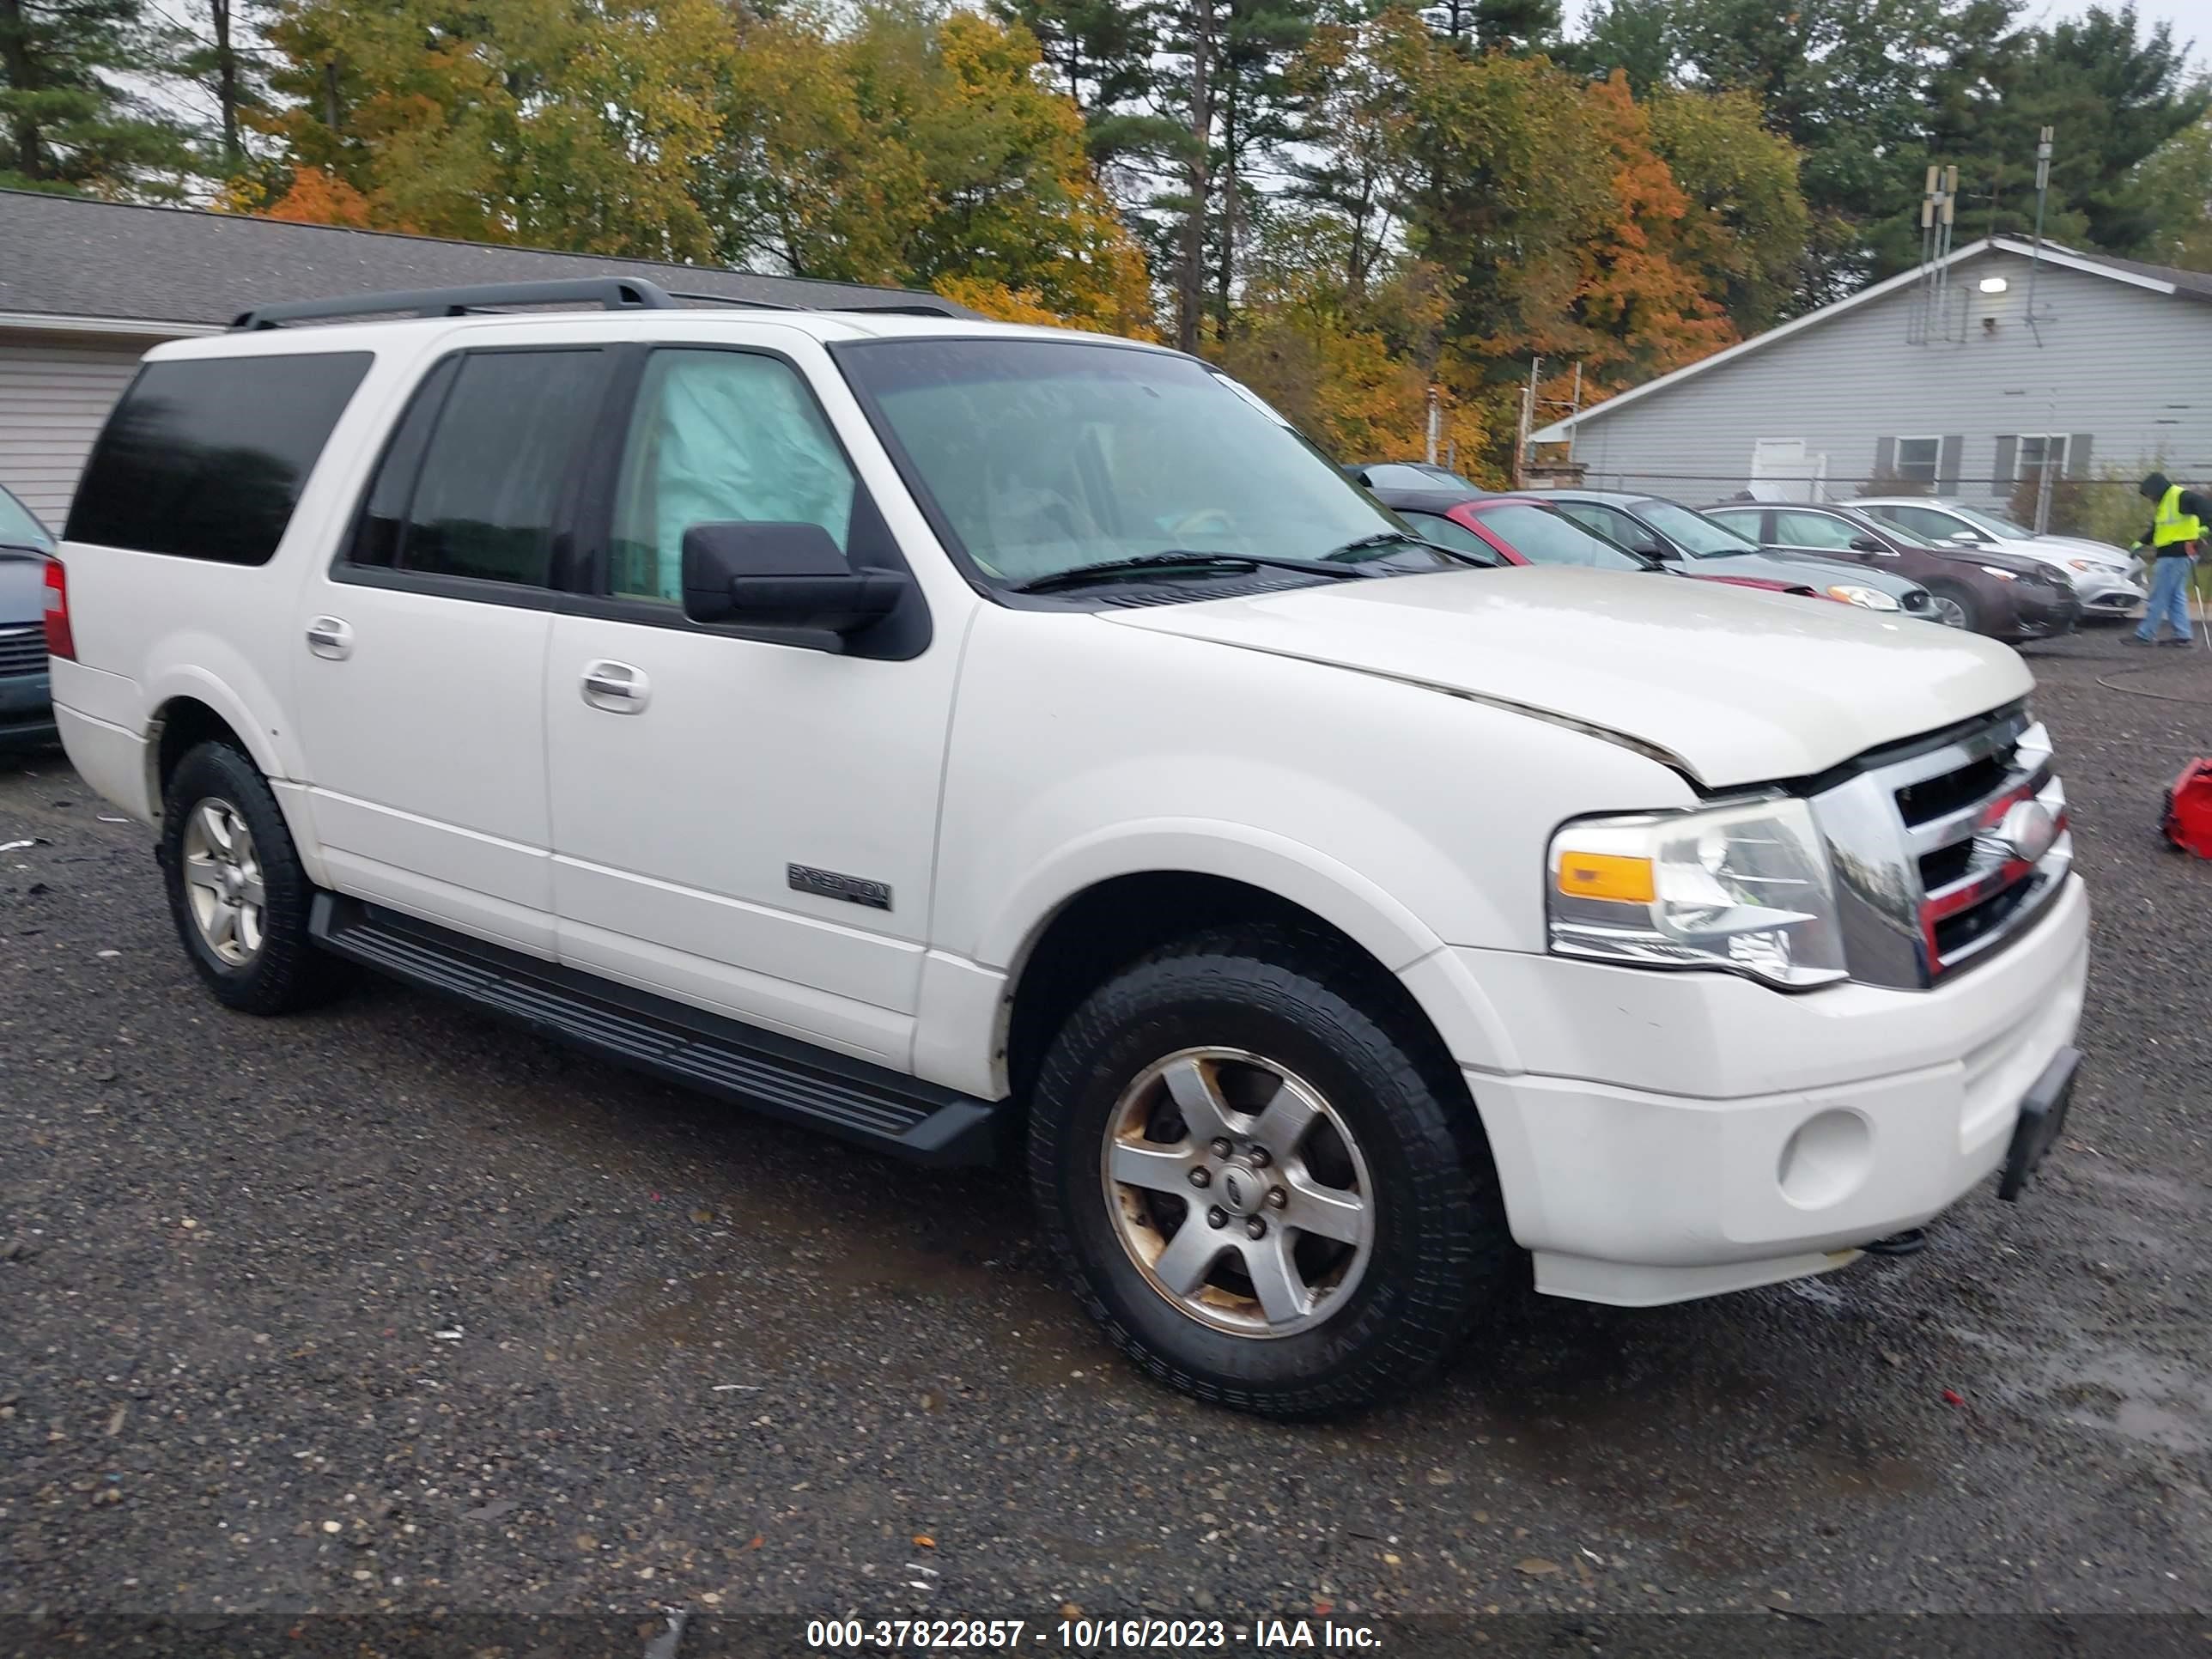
column 67, row 256
column 2196, row 283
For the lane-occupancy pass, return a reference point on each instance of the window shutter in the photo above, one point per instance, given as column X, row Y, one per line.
column 2078, row 454
column 1885, row 458
column 2008, row 464
column 1946, row 466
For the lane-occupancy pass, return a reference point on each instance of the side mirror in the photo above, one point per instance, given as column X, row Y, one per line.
column 1967, row 538
column 1867, row 544
column 781, row 575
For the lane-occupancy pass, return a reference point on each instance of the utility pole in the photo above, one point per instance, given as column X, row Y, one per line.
column 2042, row 195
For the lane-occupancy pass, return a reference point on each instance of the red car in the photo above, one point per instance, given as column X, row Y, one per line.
column 1521, row 530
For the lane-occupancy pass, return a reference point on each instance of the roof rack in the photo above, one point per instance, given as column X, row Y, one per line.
column 607, row 292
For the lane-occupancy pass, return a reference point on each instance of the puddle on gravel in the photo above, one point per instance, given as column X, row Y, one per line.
column 2131, row 1395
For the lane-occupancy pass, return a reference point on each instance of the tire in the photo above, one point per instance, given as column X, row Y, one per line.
column 219, row 814
column 1969, row 608
column 1394, row 1129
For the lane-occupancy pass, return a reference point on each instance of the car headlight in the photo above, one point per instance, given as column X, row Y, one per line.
column 2002, row 575
column 1869, row 599
column 1744, row 887
column 2081, row 564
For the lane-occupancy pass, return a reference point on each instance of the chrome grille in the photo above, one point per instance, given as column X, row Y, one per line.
column 23, row 650
column 1945, row 849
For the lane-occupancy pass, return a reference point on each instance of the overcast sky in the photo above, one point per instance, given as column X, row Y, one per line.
column 2192, row 19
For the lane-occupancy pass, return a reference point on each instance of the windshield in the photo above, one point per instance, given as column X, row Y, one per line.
column 1543, row 536
column 1992, row 523
column 18, row 528
column 1045, row 455
column 1693, row 532
column 1413, row 475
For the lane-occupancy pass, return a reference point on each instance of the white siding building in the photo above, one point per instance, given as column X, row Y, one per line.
column 1963, row 398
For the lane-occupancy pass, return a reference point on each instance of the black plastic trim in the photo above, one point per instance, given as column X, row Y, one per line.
column 859, row 1102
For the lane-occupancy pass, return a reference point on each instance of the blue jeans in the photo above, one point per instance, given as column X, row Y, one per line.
column 2169, row 597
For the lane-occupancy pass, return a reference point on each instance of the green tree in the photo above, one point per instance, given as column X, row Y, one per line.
column 1745, row 225
column 1633, row 36
column 2114, row 91
column 1258, row 117
column 68, row 119
column 2176, row 186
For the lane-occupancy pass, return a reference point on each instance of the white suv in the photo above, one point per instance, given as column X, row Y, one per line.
column 991, row 742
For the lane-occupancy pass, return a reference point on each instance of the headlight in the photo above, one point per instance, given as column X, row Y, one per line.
column 2002, row 575
column 1745, row 887
column 2081, row 564
column 1868, row 598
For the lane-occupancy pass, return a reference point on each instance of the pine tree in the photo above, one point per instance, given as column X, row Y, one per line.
column 68, row 119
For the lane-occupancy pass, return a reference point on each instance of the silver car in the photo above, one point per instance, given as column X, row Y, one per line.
column 2103, row 575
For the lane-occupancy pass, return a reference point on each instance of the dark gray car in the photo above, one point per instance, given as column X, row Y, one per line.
column 27, row 713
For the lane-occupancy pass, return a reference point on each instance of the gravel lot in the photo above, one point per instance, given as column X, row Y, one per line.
column 390, row 1309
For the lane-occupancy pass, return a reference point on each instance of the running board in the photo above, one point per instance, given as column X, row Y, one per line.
column 710, row 1054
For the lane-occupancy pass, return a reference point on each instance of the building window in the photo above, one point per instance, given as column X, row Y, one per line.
column 1917, row 459
column 2038, row 450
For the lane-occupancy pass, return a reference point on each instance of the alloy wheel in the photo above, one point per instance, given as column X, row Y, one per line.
column 223, row 883
column 1239, row 1192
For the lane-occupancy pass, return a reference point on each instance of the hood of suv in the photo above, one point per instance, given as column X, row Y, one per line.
column 1738, row 687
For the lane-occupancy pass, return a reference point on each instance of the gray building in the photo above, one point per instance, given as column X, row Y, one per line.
column 1959, row 391
column 86, row 287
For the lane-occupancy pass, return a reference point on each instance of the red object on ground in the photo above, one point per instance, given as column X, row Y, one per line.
column 2188, row 823
column 1952, row 1397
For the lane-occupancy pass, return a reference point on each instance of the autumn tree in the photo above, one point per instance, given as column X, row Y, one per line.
column 519, row 120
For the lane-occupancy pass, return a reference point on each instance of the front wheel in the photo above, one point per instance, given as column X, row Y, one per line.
column 1268, row 1186
column 1954, row 607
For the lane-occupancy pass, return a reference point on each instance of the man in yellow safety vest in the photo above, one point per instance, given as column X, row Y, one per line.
column 2177, row 523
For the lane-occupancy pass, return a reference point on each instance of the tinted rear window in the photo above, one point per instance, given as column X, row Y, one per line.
column 205, row 458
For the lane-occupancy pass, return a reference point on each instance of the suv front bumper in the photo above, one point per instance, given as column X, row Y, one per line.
column 1676, row 1135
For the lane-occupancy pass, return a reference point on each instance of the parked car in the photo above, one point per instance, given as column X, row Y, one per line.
column 25, row 710
column 2002, row 595
column 987, row 742
column 2104, row 576
column 1660, row 529
column 1521, row 530
column 1408, row 475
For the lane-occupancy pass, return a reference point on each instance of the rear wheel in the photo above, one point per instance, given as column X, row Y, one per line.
column 1268, row 1190
column 236, row 888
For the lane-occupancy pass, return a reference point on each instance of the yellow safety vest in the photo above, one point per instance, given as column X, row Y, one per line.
column 2172, row 524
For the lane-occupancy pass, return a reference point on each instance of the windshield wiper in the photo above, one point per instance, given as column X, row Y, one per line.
column 1107, row 569
column 1401, row 538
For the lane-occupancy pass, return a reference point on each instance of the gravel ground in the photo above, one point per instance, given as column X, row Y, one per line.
column 392, row 1309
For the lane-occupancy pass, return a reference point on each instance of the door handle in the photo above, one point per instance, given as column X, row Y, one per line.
column 616, row 687
column 331, row 637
